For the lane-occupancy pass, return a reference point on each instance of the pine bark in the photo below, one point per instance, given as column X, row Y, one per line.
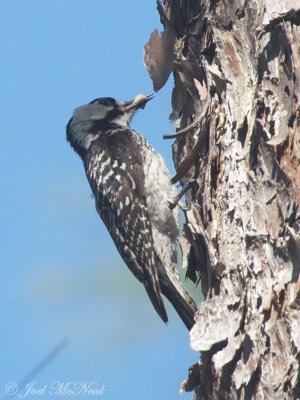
column 236, row 106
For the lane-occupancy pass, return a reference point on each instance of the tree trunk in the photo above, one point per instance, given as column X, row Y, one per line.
column 236, row 67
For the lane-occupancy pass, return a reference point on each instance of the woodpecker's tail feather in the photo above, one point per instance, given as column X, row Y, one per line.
column 181, row 301
column 156, row 300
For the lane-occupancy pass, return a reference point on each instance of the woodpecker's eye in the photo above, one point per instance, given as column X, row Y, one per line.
column 104, row 101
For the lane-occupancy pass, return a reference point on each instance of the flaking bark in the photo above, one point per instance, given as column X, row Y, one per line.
column 236, row 71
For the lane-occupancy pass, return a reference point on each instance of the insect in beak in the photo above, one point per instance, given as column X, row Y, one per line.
column 139, row 102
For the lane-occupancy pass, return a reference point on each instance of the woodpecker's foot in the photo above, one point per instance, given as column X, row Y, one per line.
column 177, row 202
column 183, row 206
column 173, row 203
column 186, row 187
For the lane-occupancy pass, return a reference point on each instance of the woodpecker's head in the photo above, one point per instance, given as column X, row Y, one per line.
column 101, row 114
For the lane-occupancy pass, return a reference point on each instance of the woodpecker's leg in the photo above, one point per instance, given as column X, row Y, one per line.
column 175, row 202
column 188, row 185
column 184, row 189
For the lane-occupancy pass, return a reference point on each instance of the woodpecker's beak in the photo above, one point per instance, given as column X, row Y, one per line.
column 139, row 102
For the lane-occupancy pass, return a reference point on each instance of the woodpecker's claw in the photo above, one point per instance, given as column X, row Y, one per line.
column 173, row 204
column 176, row 201
column 183, row 206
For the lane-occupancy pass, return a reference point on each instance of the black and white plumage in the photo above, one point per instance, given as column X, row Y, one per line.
column 133, row 196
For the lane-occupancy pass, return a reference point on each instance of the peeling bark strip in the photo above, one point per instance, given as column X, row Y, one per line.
column 236, row 70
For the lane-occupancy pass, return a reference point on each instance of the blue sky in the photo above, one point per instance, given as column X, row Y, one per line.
column 61, row 274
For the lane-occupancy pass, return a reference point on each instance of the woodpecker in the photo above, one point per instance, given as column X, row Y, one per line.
column 134, row 197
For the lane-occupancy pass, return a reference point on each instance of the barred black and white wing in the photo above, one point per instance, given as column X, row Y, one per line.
column 114, row 167
column 133, row 193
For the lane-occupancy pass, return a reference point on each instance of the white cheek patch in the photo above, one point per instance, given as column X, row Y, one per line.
column 90, row 112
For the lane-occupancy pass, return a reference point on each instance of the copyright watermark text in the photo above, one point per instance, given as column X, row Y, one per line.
column 56, row 388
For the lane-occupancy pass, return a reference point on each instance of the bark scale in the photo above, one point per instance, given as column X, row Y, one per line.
column 236, row 104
